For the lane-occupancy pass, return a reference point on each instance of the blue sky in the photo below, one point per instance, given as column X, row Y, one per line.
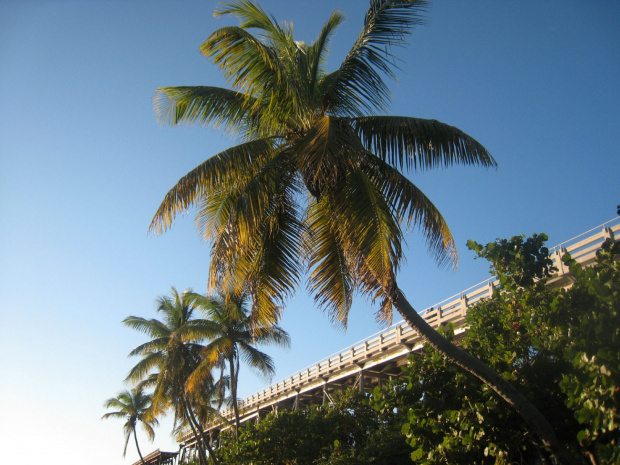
column 84, row 165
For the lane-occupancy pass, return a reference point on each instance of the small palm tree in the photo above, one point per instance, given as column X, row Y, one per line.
column 170, row 357
column 133, row 407
column 231, row 339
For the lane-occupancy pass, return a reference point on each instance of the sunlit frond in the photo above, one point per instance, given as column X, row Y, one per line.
column 207, row 177
column 419, row 144
column 319, row 49
column 141, row 370
column 152, row 327
column 331, row 281
column 257, row 360
column 413, row 208
column 205, row 105
column 371, row 233
column 153, row 345
column 357, row 86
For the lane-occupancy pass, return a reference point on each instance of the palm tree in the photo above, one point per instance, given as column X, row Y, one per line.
column 132, row 406
column 174, row 353
column 231, row 339
column 318, row 174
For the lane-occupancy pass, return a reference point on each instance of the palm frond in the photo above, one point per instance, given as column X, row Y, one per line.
column 269, row 335
column 154, row 345
column 331, row 281
column 273, row 267
column 357, row 86
column 257, row 360
column 419, row 144
column 327, row 151
column 252, row 16
column 247, row 63
column 412, row 207
column 319, row 49
column 152, row 327
column 256, row 247
column 370, row 234
column 205, row 105
column 206, row 178
column 141, row 370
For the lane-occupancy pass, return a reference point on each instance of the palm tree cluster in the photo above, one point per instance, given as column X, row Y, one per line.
column 317, row 187
column 319, row 173
column 185, row 361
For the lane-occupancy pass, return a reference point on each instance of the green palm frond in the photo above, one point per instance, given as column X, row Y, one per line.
column 152, row 327
column 113, row 414
column 269, row 267
column 140, row 371
column 326, row 153
column 153, row 345
column 411, row 207
column 371, row 233
column 252, row 16
column 265, row 66
column 331, row 281
column 257, row 360
column 205, row 105
column 259, row 227
column 316, row 53
column 242, row 200
column 227, row 166
column 247, row 63
column 419, row 144
column 269, row 335
column 357, row 86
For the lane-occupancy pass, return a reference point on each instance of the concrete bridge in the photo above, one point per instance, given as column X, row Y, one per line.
column 378, row 358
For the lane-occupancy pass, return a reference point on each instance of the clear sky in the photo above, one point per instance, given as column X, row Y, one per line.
column 84, row 165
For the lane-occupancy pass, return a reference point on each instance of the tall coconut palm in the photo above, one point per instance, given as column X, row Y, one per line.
column 132, row 406
column 170, row 357
column 231, row 339
column 318, row 173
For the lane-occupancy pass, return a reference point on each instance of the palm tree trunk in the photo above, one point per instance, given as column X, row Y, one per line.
column 233, row 393
column 532, row 417
column 196, row 426
column 135, row 436
column 201, row 452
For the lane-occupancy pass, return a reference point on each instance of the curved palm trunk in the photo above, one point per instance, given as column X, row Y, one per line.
column 201, row 453
column 135, row 436
column 198, row 433
column 233, row 393
column 532, row 417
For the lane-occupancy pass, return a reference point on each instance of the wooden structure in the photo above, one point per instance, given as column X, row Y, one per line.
column 159, row 458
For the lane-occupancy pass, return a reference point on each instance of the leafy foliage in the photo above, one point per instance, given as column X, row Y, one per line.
column 560, row 347
column 592, row 387
column 348, row 431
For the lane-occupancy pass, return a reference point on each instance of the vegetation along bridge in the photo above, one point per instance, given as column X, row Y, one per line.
column 379, row 358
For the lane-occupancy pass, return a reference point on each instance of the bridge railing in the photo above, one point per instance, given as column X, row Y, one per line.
column 582, row 248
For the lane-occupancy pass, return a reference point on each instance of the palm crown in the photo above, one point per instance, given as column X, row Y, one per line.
column 317, row 173
column 132, row 406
